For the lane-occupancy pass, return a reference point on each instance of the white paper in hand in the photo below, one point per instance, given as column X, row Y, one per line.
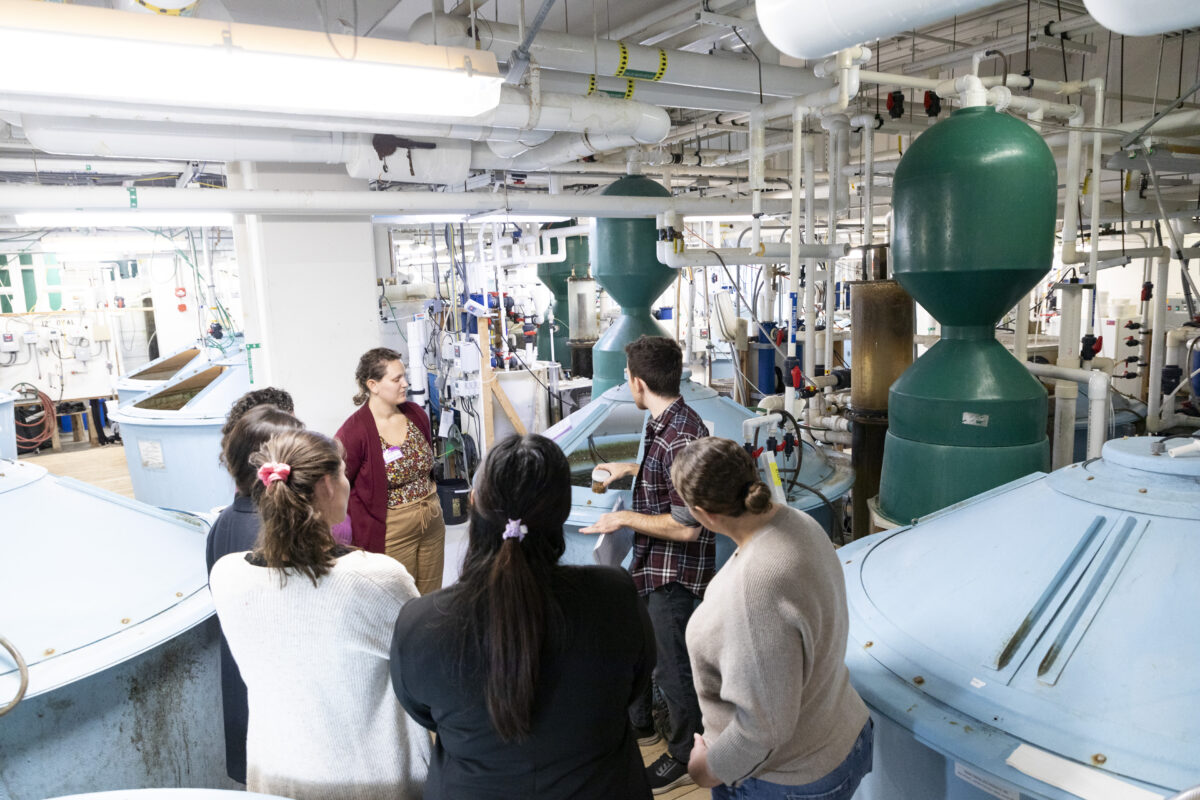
column 611, row 548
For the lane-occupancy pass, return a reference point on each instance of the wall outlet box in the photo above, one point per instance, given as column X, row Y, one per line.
column 30, row 337
column 101, row 333
column 466, row 356
column 9, row 343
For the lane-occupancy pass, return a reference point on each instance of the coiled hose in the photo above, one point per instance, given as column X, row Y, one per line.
column 22, row 669
column 40, row 433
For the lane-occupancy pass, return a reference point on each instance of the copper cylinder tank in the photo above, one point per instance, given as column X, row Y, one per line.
column 882, row 324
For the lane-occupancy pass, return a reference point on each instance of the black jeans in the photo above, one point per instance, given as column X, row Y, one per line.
column 670, row 608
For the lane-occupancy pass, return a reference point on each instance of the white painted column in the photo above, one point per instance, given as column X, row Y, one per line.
column 308, row 293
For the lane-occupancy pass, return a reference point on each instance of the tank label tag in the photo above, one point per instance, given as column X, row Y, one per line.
column 978, row 684
column 986, row 783
column 151, row 452
column 978, row 420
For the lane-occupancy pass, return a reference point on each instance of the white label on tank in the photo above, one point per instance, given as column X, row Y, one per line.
column 152, row 454
column 978, row 684
column 986, row 783
column 978, row 420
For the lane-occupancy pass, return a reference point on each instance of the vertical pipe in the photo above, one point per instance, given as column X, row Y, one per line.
column 758, row 125
column 1021, row 329
column 798, row 162
column 1158, row 348
column 810, row 273
column 1065, row 392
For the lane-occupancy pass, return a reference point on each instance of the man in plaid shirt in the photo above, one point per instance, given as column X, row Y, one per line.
column 673, row 557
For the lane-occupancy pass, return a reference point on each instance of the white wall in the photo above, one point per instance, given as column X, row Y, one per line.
column 308, row 294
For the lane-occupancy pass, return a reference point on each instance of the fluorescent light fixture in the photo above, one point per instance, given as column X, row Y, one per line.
column 96, row 55
column 124, row 219
column 720, row 218
column 417, row 219
column 100, row 248
column 518, row 218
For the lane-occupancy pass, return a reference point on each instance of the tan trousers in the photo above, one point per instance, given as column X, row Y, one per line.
column 416, row 537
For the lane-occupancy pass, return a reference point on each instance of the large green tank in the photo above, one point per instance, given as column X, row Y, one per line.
column 555, row 275
column 975, row 201
column 625, row 263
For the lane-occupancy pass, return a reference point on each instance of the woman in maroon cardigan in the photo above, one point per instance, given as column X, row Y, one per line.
column 393, row 506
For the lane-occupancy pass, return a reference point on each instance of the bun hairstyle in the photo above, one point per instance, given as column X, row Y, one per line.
column 372, row 367
column 719, row 476
column 293, row 536
column 503, row 600
column 249, row 433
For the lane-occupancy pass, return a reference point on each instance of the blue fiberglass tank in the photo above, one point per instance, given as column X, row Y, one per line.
column 1036, row 637
column 610, row 428
column 106, row 600
column 8, row 425
column 172, row 436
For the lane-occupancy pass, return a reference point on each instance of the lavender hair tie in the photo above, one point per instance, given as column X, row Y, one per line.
column 515, row 530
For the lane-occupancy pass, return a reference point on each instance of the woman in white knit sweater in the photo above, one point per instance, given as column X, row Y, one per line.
column 768, row 644
column 309, row 623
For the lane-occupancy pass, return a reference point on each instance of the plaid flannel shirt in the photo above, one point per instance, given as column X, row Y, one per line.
column 657, row 562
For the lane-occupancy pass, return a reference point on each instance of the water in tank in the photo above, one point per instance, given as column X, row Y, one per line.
column 172, row 436
column 106, row 601
column 8, row 425
column 156, row 373
column 1039, row 638
column 610, row 428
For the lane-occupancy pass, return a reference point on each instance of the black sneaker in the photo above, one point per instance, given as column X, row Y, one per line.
column 647, row 736
column 666, row 774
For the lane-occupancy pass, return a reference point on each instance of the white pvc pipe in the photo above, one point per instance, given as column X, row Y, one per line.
column 798, row 114
column 1098, row 383
column 765, row 421
column 1158, row 347
column 810, row 277
column 779, row 250
column 1066, row 391
column 561, row 51
column 16, row 198
column 1021, row 329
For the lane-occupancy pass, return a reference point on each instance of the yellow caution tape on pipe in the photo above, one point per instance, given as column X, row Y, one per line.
column 186, row 11
column 622, row 59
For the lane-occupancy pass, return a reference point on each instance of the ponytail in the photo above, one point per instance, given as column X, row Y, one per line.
column 515, row 629
column 503, row 603
column 293, row 536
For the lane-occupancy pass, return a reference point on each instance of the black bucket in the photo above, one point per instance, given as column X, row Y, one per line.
column 454, row 494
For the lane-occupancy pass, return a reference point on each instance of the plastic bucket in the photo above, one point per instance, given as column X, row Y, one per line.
column 454, row 495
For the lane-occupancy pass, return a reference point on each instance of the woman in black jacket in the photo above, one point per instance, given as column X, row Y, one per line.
column 525, row 669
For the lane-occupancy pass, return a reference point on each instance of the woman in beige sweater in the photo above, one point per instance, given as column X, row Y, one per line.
column 768, row 644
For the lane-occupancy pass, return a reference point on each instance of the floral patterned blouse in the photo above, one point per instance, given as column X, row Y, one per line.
column 407, row 466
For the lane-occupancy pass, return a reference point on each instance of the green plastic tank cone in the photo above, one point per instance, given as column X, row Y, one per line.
column 975, row 200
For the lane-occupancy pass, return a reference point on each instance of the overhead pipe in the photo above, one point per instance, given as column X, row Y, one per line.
column 518, row 110
column 830, row 25
column 659, row 94
column 583, row 54
column 16, row 198
column 696, row 257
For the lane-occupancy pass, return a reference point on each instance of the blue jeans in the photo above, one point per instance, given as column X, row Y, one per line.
column 839, row 784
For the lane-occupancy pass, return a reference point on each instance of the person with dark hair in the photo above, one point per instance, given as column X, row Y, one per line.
column 235, row 531
column 525, row 667
column 673, row 557
column 394, row 507
column 309, row 622
column 768, row 644
column 267, row 396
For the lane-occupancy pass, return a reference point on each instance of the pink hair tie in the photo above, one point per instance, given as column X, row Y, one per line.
column 515, row 530
column 273, row 471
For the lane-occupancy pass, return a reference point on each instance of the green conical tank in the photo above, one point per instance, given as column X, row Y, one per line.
column 555, row 275
column 975, row 201
column 625, row 263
